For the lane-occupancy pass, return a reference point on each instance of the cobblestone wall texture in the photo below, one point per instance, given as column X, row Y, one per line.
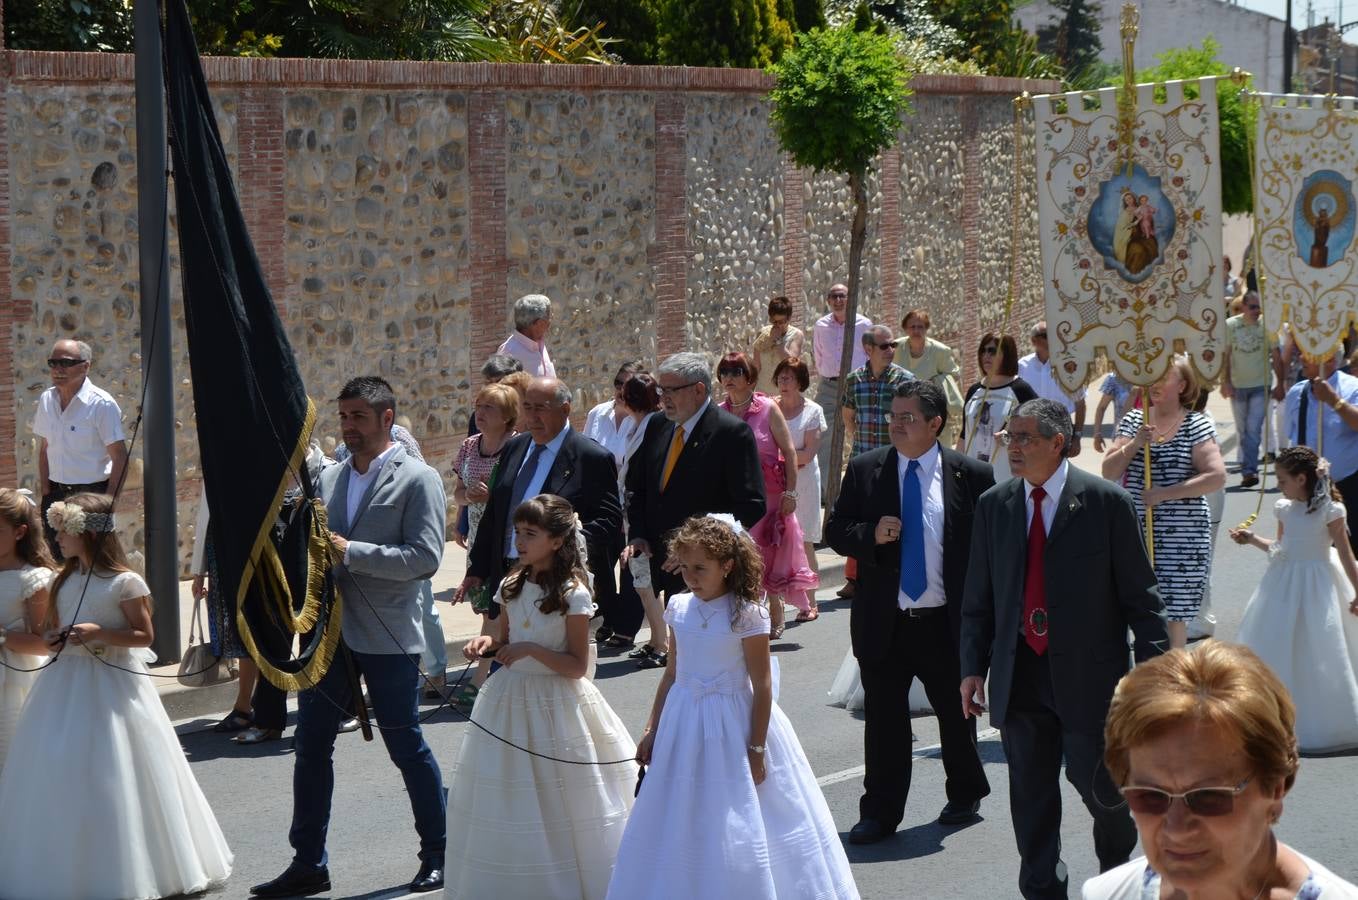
column 360, row 195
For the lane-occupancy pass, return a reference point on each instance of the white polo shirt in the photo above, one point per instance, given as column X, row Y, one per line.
column 78, row 436
column 532, row 355
column 1040, row 378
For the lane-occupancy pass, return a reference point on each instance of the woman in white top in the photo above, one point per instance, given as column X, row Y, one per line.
column 610, row 424
column 806, row 421
column 1202, row 742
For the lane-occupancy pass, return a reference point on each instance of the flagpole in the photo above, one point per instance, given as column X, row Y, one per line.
column 153, row 253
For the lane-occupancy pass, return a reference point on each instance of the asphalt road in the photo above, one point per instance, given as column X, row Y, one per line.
column 372, row 841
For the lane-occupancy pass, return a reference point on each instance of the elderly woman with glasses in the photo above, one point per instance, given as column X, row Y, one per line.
column 1201, row 743
column 991, row 401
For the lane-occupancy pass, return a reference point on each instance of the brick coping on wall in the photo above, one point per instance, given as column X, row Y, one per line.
column 27, row 65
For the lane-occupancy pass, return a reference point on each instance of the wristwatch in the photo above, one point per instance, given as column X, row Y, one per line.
column 756, row 748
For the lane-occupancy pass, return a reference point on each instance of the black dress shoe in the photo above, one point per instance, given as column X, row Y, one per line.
column 869, row 831
column 429, row 878
column 956, row 812
column 297, row 881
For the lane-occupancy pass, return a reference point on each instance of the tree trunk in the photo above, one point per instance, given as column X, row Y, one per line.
column 857, row 238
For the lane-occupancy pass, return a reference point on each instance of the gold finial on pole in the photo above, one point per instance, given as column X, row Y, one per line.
column 1130, row 28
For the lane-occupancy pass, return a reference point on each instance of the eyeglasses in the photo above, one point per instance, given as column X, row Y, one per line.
column 668, row 391
column 1022, row 439
column 723, row 373
column 989, row 351
column 905, row 418
column 1209, row 801
column 65, row 363
column 839, row 296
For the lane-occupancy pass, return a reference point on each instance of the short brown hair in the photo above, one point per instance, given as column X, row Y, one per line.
column 1218, row 684
column 504, row 397
column 918, row 313
column 797, row 368
column 518, row 381
column 1188, row 394
column 1008, row 355
column 740, row 361
column 780, row 306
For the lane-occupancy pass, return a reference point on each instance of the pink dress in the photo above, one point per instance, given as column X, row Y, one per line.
column 779, row 538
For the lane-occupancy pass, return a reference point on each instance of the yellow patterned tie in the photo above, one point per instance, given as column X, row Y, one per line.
column 676, row 448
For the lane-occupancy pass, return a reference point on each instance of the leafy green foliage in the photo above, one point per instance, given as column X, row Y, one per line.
column 446, row 30
column 839, row 99
column 727, row 33
column 77, row 25
column 1072, row 36
column 1237, row 116
column 535, row 33
column 808, row 14
column 631, row 25
column 910, row 22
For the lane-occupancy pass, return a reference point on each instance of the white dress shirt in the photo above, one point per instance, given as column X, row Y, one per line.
column 78, row 436
column 931, row 494
column 1039, row 376
column 827, row 343
column 1053, row 486
column 602, row 428
column 692, row 421
column 359, row 481
column 549, row 452
column 532, row 355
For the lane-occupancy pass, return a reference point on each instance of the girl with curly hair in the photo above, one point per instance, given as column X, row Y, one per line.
column 94, row 744
column 528, row 815
column 1303, row 617
column 724, row 760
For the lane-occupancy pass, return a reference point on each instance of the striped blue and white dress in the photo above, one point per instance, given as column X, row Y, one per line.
column 1183, row 528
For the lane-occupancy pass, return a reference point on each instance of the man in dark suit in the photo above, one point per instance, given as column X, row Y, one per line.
column 1058, row 574
column 548, row 458
column 696, row 459
column 904, row 512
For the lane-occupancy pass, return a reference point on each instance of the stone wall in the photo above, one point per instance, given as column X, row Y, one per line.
column 399, row 208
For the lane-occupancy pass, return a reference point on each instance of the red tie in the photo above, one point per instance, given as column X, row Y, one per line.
column 1034, row 588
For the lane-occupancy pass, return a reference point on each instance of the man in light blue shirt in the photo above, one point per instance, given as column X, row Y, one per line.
column 1330, row 397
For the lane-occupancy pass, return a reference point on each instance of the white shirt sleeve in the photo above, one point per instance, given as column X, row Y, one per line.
column 109, row 423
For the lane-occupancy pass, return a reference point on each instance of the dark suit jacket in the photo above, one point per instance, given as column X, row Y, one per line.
column 1099, row 583
column 872, row 490
column 717, row 472
column 583, row 473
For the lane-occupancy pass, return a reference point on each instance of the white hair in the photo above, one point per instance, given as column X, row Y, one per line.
column 692, row 367
column 529, row 308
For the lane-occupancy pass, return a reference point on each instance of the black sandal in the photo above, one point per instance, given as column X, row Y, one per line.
column 234, row 721
column 618, row 642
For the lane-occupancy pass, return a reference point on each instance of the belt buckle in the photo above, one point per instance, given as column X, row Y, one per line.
column 915, row 612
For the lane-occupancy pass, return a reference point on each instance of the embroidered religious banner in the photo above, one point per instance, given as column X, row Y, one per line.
column 1129, row 218
column 1306, row 163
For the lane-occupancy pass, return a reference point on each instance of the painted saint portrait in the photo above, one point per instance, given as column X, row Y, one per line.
column 1131, row 223
column 1324, row 218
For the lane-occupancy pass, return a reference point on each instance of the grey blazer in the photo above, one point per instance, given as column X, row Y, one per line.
column 1099, row 583
column 395, row 542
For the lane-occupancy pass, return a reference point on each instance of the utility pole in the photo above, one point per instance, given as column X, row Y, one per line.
column 153, row 256
column 1287, row 50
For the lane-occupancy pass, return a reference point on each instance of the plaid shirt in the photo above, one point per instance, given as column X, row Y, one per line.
column 870, row 399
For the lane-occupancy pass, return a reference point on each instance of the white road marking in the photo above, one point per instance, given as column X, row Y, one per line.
column 920, row 752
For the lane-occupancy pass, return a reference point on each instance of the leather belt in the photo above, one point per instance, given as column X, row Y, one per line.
column 922, row 612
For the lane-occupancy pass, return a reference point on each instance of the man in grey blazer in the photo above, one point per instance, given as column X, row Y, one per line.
column 1058, row 573
column 387, row 513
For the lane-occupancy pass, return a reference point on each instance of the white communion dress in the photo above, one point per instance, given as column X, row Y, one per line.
column 18, row 673
column 109, row 806
column 701, row 827
column 520, row 825
column 846, row 689
column 1298, row 622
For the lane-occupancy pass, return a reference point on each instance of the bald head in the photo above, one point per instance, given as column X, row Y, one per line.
column 546, row 408
column 837, row 298
column 68, row 365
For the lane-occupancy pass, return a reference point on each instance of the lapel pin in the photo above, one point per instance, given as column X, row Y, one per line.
column 1072, row 506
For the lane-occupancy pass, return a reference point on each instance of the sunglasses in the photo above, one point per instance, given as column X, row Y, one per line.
column 619, row 383
column 989, row 351
column 65, row 363
column 1209, row 801
column 889, row 345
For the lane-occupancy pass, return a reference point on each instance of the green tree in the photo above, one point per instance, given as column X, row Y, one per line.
column 632, row 25
column 808, row 14
column 1236, row 116
column 74, row 25
column 746, row 34
column 1072, row 36
column 535, row 32
column 837, row 103
column 446, row 30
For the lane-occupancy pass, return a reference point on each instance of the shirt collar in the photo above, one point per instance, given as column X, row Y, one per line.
column 692, row 422
column 518, row 337
column 376, row 465
column 927, row 462
column 554, row 445
column 1053, row 485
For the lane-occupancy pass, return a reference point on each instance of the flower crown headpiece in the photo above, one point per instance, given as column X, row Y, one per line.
column 71, row 519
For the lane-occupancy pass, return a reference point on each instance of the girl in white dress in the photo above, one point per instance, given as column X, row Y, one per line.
column 730, row 807
column 121, row 814
column 1303, row 617
column 546, row 823
column 26, row 569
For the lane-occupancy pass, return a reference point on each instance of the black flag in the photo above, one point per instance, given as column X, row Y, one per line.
column 254, row 416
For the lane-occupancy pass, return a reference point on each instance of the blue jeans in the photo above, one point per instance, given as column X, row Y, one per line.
column 1248, row 406
column 393, row 688
column 435, row 655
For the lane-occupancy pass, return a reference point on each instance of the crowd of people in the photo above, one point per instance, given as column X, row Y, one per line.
column 986, row 575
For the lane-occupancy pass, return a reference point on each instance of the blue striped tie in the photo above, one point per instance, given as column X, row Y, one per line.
column 914, row 577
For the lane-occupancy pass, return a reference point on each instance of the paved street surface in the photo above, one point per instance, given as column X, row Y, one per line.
column 372, row 842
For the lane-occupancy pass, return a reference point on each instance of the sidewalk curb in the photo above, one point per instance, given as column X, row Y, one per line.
column 183, row 703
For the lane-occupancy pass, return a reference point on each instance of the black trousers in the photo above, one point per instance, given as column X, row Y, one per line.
column 270, row 704
column 1348, row 489
column 1035, row 742
column 59, row 491
column 921, row 648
